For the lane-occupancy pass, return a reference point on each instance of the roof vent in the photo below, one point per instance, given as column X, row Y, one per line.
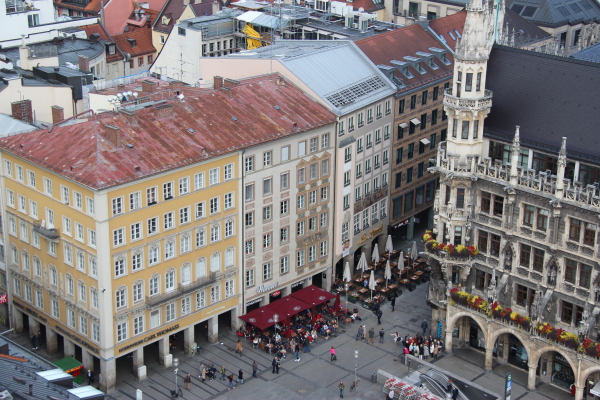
column 132, row 42
column 234, row 118
column 402, row 67
column 277, row 107
column 137, row 169
column 130, row 145
column 190, row 130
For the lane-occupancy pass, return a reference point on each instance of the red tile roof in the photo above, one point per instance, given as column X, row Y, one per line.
column 173, row 10
column 407, row 41
column 150, row 144
column 442, row 26
column 366, row 5
column 97, row 28
column 142, row 36
column 92, row 7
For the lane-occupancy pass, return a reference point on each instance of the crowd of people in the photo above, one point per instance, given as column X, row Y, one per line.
column 419, row 345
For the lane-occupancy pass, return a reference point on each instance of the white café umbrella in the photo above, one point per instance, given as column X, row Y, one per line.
column 347, row 277
column 413, row 252
column 388, row 272
column 362, row 263
column 372, row 284
column 389, row 247
column 401, row 261
column 375, row 254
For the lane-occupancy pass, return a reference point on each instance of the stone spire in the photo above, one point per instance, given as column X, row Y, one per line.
column 560, row 173
column 483, row 26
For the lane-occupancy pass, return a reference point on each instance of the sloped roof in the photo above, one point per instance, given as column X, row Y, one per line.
column 173, row 10
column 549, row 97
column 525, row 30
column 150, row 144
column 97, row 28
column 591, row 53
column 446, row 25
column 408, row 41
column 356, row 83
column 92, row 7
column 9, row 125
column 554, row 13
column 67, row 50
column 143, row 41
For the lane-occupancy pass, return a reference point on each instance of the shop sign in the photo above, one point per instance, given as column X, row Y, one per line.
column 275, row 294
column 31, row 312
column 76, row 339
column 297, row 284
column 263, row 288
column 3, row 298
column 560, row 358
column 254, row 301
column 149, row 337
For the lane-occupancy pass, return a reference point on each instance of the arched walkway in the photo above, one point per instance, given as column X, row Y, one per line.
column 559, row 369
column 450, row 324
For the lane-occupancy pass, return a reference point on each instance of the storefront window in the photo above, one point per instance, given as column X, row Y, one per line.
column 562, row 374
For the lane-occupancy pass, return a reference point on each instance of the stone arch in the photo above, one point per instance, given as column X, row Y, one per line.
column 534, row 357
column 494, row 335
column 480, row 321
column 581, row 379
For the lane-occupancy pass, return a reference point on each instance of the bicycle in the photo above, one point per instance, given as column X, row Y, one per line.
column 354, row 384
column 176, row 393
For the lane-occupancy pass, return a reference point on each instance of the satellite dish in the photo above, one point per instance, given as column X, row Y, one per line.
column 119, row 95
column 129, row 93
column 181, row 96
column 110, row 99
column 135, row 94
column 361, row 9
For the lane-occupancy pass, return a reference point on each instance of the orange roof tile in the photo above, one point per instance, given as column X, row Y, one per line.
column 150, row 144
column 442, row 26
column 97, row 28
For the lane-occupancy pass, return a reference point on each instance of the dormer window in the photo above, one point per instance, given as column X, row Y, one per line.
column 403, row 68
column 428, row 58
column 111, row 49
column 440, row 54
column 452, row 35
column 132, row 42
column 165, row 21
column 415, row 63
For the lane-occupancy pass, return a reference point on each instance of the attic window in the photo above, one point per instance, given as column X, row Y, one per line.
column 517, row 8
column 132, row 42
column 458, row 35
column 452, row 36
column 563, row 11
column 529, row 11
column 165, row 21
column 111, row 49
column 403, row 68
column 415, row 63
column 181, row 31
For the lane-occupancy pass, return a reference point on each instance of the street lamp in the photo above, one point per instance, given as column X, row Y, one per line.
column 355, row 364
column 176, row 365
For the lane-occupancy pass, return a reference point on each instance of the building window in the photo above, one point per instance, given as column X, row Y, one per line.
column 479, row 279
column 566, row 313
column 495, row 245
column 482, row 241
column 249, row 278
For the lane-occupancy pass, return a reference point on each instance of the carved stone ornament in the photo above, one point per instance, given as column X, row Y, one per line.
column 491, row 290
column 553, row 270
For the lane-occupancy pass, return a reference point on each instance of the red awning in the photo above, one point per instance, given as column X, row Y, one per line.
column 288, row 306
column 261, row 318
column 313, row 295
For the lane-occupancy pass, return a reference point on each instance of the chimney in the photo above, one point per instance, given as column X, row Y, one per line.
column 22, row 111
column 423, row 21
column 186, row 2
column 24, row 57
column 175, row 85
column 129, row 115
column 58, row 114
column 84, row 64
column 163, row 110
column 148, row 86
column 227, row 91
column 216, row 7
column 230, row 83
column 112, row 134
column 218, row 84
column 280, row 81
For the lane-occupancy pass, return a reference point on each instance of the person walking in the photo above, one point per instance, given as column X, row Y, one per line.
column 306, row 344
column 230, row 384
column 241, row 376
column 238, row 347
column 254, row 369
column 39, row 339
column 434, row 351
column 223, row 373
column 187, row 380
column 274, row 363
column 426, row 350
column 359, row 335
column 454, row 393
column 332, row 352
column 372, row 335
column 424, row 326
column 381, row 333
column 278, row 364
column 297, row 351
column 90, row 377
column 393, row 302
column 379, row 314
column 364, row 335
column 34, row 342
column 341, row 386
column 203, row 374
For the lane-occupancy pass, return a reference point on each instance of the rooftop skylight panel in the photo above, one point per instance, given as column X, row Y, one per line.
column 563, row 11
column 528, row 11
column 575, row 7
column 586, row 4
column 517, row 8
column 452, row 35
column 458, row 34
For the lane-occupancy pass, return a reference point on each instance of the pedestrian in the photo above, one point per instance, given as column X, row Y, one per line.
column 424, row 326
column 421, row 352
column 426, row 350
column 379, row 314
column 415, row 350
column 381, row 333
column 435, row 351
column 34, row 342
column 90, row 377
column 254, row 369
column 203, row 375
column 230, row 384
column 332, row 352
column 364, row 335
column 392, row 393
column 274, row 363
column 238, row 347
column 454, row 393
column 187, row 380
column 449, row 386
column 241, row 376
column 307, row 345
column 278, row 364
column 341, row 386
column 39, row 339
column 296, row 351
column 359, row 335
column 223, row 373
column 372, row 335
column 393, row 302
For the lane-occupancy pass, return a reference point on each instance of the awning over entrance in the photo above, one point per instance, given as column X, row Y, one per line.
column 313, row 295
column 596, row 389
column 288, row 306
column 261, row 318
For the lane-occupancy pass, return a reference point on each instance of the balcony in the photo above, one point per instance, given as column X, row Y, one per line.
column 181, row 290
column 49, row 233
column 477, row 104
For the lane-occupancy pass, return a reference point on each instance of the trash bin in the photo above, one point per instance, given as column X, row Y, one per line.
column 374, row 377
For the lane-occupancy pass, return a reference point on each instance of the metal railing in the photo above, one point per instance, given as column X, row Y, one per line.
column 182, row 290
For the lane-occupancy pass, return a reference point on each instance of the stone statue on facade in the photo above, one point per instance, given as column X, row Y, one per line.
column 584, row 324
column 491, row 290
column 552, row 274
column 535, row 308
column 508, row 256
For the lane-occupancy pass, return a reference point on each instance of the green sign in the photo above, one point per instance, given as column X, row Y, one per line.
column 508, row 387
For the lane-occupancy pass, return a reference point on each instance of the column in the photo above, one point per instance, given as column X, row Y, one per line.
column 503, row 341
column 164, row 357
column 531, row 378
column 139, row 369
column 579, row 393
column 17, row 320
column 410, row 230
column 87, row 359
column 51, row 341
column 235, row 321
column 430, row 215
column 489, row 353
column 188, row 339
column 34, row 326
column 213, row 329
column 69, row 348
column 448, row 341
column 108, row 375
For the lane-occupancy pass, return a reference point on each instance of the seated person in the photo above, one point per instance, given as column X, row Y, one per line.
column 366, row 282
column 277, row 337
column 277, row 327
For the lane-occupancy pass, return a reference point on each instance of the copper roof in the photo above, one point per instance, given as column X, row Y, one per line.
column 205, row 124
column 408, row 41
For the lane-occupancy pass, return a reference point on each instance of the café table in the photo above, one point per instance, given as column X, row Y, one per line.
column 414, row 278
column 379, row 280
column 363, row 290
column 403, row 281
